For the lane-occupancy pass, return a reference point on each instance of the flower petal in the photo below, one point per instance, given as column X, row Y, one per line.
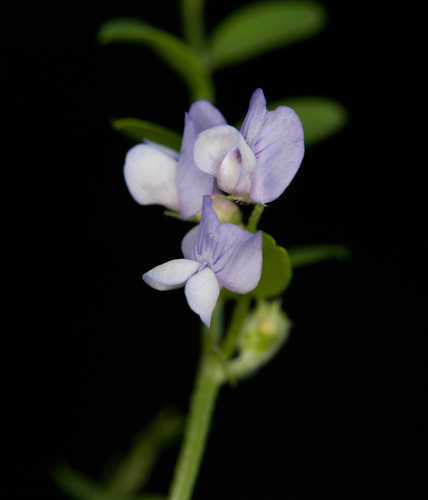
column 279, row 150
column 212, row 145
column 229, row 172
column 207, row 240
column 150, row 175
column 238, row 266
column 253, row 121
column 188, row 245
column 205, row 115
column 232, row 175
column 165, row 149
column 171, row 274
column 202, row 292
column 192, row 183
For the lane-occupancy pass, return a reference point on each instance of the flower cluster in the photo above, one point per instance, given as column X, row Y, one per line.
column 256, row 164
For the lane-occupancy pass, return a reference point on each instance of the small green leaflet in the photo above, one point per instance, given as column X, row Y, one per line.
column 78, row 486
column 263, row 26
column 321, row 117
column 276, row 271
column 140, row 129
column 305, row 255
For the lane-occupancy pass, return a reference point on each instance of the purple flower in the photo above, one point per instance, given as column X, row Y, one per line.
column 258, row 162
column 215, row 255
column 193, row 183
column 158, row 175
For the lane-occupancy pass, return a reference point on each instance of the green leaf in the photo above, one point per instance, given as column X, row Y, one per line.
column 141, row 129
column 305, row 255
column 321, row 117
column 78, row 486
column 276, row 271
column 133, row 471
column 263, row 26
column 171, row 49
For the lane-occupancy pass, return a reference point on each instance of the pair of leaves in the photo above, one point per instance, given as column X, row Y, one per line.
column 247, row 32
column 320, row 116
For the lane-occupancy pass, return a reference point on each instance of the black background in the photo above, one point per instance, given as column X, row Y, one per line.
column 95, row 353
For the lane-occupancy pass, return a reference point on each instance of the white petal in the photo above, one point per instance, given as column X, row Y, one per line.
column 232, row 175
column 202, row 292
column 212, row 145
column 188, row 244
column 164, row 149
column 229, row 171
column 172, row 274
column 150, row 175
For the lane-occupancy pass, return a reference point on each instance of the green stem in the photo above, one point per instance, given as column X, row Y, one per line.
column 192, row 12
column 208, row 382
column 255, row 217
column 204, row 89
column 207, row 385
column 236, row 325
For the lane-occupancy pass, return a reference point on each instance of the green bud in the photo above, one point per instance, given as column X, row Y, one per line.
column 226, row 210
column 265, row 331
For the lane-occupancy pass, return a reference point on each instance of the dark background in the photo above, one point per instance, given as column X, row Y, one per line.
column 94, row 353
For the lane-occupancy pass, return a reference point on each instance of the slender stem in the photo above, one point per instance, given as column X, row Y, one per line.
column 255, row 217
column 236, row 325
column 207, row 385
column 192, row 12
column 204, row 89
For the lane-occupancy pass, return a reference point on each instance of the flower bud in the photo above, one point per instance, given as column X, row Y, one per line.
column 265, row 331
column 226, row 210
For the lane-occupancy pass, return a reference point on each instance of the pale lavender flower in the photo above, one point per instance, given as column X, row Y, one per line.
column 193, row 183
column 215, row 255
column 156, row 175
column 258, row 162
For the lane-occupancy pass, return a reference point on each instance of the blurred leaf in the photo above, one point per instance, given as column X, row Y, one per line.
column 78, row 486
column 141, row 129
column 134, row 470
column 276, row 271
column 321, row 117
column 312, row 254
column 259, row 27
column 171, row 49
